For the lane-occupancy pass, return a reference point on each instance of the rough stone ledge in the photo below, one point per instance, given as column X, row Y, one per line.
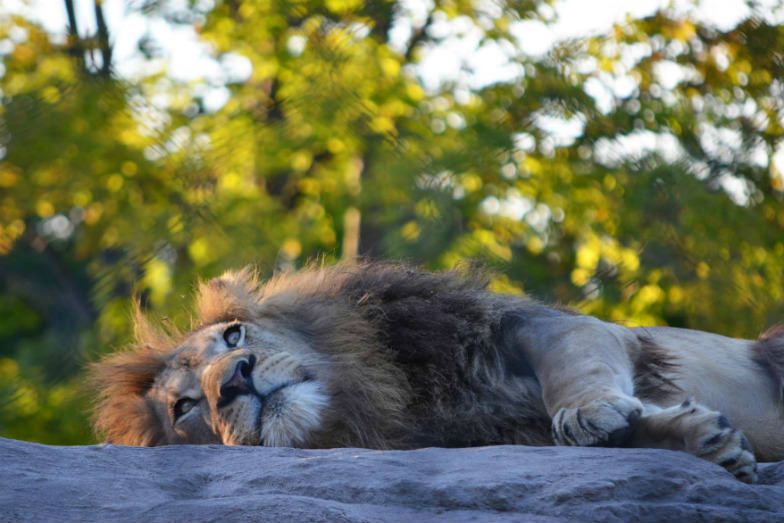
column 499, row 484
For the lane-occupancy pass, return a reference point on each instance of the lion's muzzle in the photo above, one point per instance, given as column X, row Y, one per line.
column 239, row 383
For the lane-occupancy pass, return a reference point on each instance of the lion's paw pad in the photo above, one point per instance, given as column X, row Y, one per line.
column 602, row 422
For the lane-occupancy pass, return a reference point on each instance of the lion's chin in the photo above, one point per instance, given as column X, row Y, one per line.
column 289, row 416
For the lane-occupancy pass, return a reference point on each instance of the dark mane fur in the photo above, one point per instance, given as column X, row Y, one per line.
column 651, row 371
column 443, row 329
column 768, row 351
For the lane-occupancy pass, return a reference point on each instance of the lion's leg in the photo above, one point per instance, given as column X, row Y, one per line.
column 700, row 431
column 586, row 371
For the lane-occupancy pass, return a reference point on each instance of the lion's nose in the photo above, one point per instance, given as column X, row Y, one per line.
column 239, row 383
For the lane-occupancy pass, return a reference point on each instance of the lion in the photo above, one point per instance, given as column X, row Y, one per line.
column 386, row 356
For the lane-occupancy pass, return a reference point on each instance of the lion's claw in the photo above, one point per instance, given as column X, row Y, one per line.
column 715, row 440
column 598, row 423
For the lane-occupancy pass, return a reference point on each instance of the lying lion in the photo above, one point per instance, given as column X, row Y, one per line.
column 384, row 356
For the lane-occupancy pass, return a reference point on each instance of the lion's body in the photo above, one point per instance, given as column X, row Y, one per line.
column 383, row 356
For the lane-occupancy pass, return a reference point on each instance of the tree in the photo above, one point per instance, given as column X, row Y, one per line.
column 664, row 206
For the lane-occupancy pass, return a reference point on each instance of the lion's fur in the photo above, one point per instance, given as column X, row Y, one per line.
column 122, row 379
column 123, row 414
column 415, row 358
column 769, row 351
column 408, row 339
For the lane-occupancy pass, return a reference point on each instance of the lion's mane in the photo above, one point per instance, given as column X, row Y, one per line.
column 414, row 350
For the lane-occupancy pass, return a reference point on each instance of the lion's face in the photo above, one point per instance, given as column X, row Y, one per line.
column 242, row 383
column 288, row 363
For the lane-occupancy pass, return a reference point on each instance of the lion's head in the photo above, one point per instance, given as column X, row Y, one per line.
column 288, row 363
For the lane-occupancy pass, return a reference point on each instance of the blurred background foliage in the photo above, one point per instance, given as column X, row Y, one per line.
column 632, row 175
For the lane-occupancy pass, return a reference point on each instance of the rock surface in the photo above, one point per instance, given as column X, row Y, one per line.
column 505, row 483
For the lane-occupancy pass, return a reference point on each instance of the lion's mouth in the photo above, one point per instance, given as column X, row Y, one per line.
column 273, row 401
column 277, row 412
column 264, row 397
column 241, row 383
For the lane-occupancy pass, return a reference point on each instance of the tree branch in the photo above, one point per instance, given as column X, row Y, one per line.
column 75, row 47
column 103, row 40
column 419, row 35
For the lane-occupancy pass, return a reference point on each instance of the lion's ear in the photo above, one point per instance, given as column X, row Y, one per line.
column 234, row 295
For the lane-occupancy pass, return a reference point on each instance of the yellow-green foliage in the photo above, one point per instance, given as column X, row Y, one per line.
column 333, row 147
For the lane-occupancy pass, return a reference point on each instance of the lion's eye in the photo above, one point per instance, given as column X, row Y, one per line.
column 183, row 406
column 234, row 335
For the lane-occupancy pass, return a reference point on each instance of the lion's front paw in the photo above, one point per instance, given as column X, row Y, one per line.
column 715, row 440
column 601, row 422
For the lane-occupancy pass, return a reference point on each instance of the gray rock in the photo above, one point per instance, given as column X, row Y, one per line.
column 505, row 483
